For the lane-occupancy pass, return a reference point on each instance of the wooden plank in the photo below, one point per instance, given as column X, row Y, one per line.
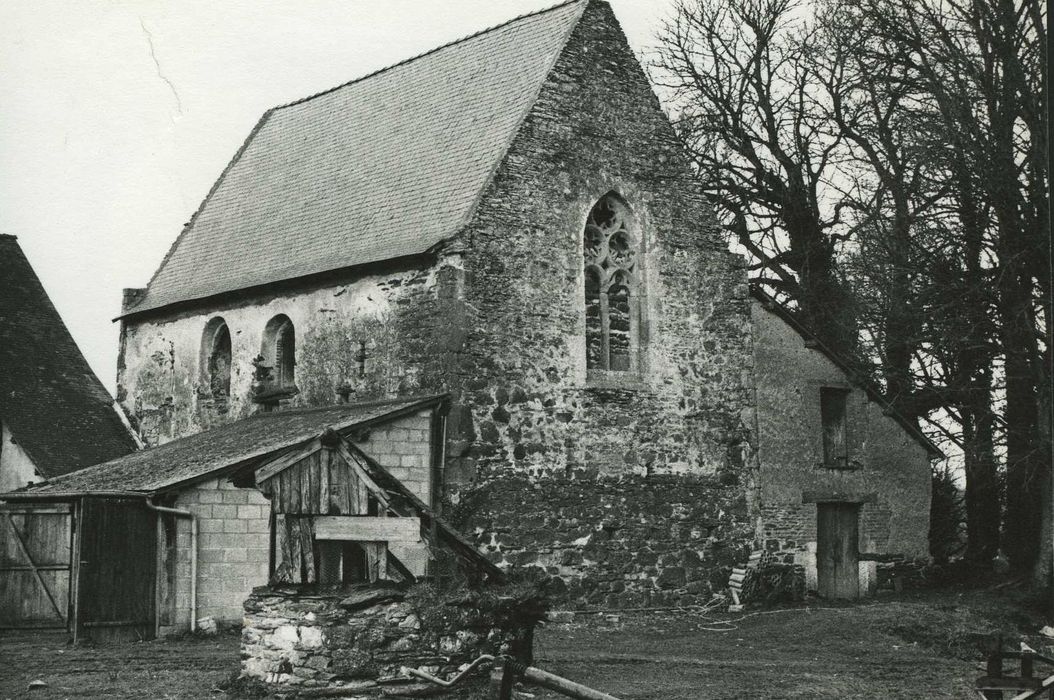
column 376, row 560
column 307, row 549
column 364, row 528
column 35, row 509
column 396, row 565
column 323, row 480
column 286, row 460
column 25, row 552
column 76, row 526
column 296, row 558
column 375, row 490
column 448, row 534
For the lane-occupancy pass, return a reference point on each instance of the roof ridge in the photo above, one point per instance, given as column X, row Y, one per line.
column 436, row 49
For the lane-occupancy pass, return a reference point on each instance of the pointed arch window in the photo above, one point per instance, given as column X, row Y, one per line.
column 611, row 287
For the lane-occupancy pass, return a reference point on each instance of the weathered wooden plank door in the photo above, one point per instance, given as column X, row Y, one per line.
column 35, row 565
column 838, row 573
column 115, row 598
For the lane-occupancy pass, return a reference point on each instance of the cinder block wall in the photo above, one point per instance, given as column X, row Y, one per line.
column 404, row 448
column 234, row 526
column 233, row 551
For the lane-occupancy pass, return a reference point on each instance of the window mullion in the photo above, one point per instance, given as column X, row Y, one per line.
column 605, row 329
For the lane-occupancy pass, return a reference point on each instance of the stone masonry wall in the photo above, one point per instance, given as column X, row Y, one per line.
column 542, row 457
column 498, row 321
column 891, row 470
column 405, row 317
column 354, row 637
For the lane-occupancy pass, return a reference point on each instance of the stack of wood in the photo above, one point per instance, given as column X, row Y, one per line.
column 744, row 579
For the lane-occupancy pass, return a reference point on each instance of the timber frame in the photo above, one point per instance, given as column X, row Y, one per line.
column 328, row 489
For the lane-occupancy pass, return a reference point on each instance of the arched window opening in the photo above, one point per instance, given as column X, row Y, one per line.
column 610, row 259
column 279, row 352
column 594, row 324
column 216, row 359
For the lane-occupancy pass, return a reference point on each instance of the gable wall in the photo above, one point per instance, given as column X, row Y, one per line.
column 16, row 468
column 890, row 466
column 635, row 493
column 163, row 388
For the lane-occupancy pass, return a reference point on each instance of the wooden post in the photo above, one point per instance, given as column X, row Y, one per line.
column 508, row 679
column 1027, row 659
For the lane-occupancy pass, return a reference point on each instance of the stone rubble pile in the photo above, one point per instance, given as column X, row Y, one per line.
column 360, row 636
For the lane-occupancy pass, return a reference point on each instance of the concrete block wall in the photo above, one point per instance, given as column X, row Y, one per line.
column 233, row 550
column 404, row 448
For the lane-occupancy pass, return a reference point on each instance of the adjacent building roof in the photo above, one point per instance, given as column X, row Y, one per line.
column 788, row 316
column 385, row 166
column 191, row 459
column 56, row 408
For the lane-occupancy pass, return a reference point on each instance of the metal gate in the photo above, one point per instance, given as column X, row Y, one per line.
column 35, row 545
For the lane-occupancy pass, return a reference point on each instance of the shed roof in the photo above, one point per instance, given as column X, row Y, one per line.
column 386, row 166
column 788, row 316
column 191, row 459
column 55, row 406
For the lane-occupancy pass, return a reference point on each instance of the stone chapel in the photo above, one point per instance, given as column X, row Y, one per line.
column 509, row 220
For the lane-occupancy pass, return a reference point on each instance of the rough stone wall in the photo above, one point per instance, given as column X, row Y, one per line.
column 890, row 468
column 541, row 459
column 302, row 638
column 632, row 487
column 16, row 468
column 405, row 317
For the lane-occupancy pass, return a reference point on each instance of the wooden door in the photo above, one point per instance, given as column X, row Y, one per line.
column 118, row 550
column 838, row 574
column 35, row 565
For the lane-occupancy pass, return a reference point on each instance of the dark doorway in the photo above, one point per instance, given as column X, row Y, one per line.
column 837, row 569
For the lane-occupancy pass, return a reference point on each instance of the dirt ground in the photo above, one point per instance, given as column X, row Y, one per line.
column 913, row 646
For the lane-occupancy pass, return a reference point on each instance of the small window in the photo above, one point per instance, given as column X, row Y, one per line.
column 216, row 359
column 279, row 352
column 833, row 416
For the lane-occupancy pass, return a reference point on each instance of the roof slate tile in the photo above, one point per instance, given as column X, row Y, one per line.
column 385, row 166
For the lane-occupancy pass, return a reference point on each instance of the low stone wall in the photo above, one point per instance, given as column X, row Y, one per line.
column 360, row 636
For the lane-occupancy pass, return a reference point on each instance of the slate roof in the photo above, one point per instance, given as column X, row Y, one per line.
column 385, row 166
column 56, row 408
column 196, row 457
column 788, row 316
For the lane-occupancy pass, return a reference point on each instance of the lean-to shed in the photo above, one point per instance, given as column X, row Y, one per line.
column 150, row 542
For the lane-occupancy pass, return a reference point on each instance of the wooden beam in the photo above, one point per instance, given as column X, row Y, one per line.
column 286, row 460
column 26, row 508
column 380, row 494
column 367, row 528
column 448, row 534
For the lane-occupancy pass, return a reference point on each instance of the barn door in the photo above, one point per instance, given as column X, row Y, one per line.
column 115, row 599
column 34, row 565
column 837, row 570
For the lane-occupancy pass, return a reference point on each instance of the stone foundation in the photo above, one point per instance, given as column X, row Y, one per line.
column 360, row 636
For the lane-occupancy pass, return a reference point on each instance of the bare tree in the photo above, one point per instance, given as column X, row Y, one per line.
column 745, row 100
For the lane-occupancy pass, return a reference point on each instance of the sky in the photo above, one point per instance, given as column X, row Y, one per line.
column 117, row 116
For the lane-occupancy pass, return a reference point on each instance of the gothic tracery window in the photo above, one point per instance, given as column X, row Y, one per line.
column 610, row 260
